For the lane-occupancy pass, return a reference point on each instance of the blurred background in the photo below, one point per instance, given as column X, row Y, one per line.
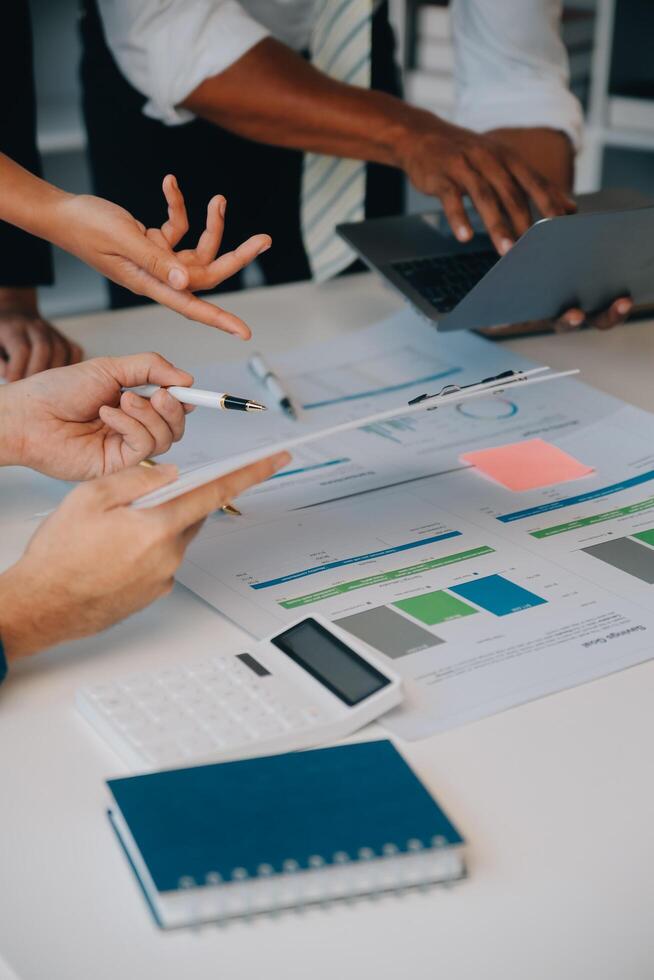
column 611, row 66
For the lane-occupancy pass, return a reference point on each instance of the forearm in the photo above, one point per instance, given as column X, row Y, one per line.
column 18, row 616
column 28, row 202
column 11, row 449
column 548, row 151
column 274, row 96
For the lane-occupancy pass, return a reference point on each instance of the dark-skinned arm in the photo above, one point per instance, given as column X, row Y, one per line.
column 274, row 96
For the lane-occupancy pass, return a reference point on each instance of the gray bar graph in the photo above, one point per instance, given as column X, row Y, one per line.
column 627, row 555
column 389, row 632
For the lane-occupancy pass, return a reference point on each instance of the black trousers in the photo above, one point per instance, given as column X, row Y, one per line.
column 24, row 259
column 130, row 155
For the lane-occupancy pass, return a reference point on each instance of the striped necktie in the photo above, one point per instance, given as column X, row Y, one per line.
column 333, row 188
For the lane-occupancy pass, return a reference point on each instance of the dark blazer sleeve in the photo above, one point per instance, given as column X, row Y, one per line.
column 24, row 259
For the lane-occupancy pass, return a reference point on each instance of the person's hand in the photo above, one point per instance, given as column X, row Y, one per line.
column 96, row 560
column 142, row 259
column 28, row 343
column 75, row 423
column 450, row 162
column 617, row 313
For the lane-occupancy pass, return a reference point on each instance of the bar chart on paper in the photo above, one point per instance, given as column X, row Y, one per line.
column 482, row 596
column 470, row 619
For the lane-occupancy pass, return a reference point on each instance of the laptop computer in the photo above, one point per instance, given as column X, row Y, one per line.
column 587, row 259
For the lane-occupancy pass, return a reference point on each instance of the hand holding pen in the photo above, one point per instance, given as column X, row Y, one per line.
column 78, row 422
column 206, row 399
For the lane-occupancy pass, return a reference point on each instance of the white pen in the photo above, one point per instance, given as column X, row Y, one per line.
column 267, row 377
column 207, row 399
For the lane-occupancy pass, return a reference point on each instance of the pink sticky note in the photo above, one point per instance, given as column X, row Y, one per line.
column 527, row 465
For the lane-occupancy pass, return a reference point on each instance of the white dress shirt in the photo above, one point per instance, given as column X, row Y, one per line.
column 511, row 67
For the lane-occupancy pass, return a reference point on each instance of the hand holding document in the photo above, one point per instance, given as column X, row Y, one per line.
column 448, row 396
column 483, row 592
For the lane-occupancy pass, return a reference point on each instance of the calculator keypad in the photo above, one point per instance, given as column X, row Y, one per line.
column 207, row 709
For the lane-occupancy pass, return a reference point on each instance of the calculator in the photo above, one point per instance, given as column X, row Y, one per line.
column 309, row 684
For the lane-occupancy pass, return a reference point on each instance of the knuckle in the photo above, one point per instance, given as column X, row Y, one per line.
column 87, row 493
column 159, row 530
column 149, row 444
column 486, row 196
column 153, row 264
column 537, row 180
column 456, row 163
column 156, row 360
column 485, row 158
column 42, row 329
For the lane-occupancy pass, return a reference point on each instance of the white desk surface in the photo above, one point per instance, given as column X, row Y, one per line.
column 556, row 798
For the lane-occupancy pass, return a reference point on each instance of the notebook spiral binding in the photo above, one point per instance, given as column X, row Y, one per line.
column 344, row 876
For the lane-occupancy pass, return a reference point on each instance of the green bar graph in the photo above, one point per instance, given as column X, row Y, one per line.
column 607, row 515
column 646, row 536
column 432, row 608
column 397, row 573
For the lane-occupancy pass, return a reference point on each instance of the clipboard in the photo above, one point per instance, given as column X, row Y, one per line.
column 449, row 395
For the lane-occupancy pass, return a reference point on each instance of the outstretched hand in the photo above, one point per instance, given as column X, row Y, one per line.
column 144, row 260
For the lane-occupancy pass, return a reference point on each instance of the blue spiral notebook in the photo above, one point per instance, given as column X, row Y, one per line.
column 237, row 838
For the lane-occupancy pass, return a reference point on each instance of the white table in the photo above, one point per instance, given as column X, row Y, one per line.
column 555, row 797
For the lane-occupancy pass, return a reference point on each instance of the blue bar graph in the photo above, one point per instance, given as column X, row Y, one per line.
column 409, row 546
column 308, row 469
column 497, row 595
column 581, row 498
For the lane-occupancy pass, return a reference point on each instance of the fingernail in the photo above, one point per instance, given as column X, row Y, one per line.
column 505, row 245
column 264, row 248
column 463, row 234
column 624, row 305
column 222, row 207
column 177, row 279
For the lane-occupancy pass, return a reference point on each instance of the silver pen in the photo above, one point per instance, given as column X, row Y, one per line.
column 263, row 373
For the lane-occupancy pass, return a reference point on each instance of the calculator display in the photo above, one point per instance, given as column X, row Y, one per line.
column 329, row 660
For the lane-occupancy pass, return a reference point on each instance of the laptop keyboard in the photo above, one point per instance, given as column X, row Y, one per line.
column 444, row 280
